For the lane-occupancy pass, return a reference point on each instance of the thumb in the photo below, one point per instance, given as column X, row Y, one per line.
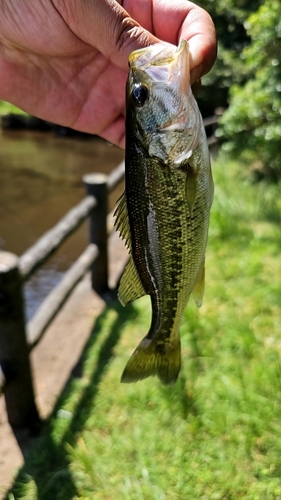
column 106, row 26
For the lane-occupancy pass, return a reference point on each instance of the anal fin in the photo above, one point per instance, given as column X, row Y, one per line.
column 199, row 287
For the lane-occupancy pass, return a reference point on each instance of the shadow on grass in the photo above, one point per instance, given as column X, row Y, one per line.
column 180, row 395
column 47, row 465
column 180, row 398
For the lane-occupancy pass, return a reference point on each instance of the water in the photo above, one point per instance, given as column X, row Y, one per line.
column 40, row 180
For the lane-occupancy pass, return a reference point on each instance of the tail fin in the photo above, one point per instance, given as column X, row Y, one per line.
column 153, row 357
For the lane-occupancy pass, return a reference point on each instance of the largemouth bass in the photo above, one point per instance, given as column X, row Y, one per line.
column 164, row 213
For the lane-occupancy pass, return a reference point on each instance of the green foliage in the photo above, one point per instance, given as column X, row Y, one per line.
column 253, row 119
column 216, row 433
column 229, row 17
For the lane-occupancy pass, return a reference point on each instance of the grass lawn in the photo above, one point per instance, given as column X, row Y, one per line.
column 215, row 434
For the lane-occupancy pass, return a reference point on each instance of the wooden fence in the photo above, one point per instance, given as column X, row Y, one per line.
column 18, row 338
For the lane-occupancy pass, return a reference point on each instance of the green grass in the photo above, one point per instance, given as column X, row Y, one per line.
column 215, row 434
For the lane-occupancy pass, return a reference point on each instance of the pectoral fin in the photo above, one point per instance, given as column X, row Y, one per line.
column 190, row 187
column 130, row 287
column 199, row 287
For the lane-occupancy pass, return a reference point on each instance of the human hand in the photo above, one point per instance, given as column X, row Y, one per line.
column 66, row 61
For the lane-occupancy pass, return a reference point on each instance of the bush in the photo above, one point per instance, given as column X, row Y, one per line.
column 229, row 17
column 252, row 120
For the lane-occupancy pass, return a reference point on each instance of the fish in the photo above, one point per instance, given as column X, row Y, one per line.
column 163, row 215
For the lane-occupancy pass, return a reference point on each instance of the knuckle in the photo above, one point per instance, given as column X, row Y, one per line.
column 128, row 34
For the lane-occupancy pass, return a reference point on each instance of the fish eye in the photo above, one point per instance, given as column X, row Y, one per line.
column 140, row 94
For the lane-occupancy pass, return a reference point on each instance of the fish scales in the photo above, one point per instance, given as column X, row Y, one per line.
column 165, row 217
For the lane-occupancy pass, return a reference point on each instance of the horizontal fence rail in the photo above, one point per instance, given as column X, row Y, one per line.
column 51, row 240
column 17, row 338
column 211, row 120
column 52, row 304
column 116, row 176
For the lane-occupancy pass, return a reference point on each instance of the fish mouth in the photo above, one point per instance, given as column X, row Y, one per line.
column 163, row 62
column 147, row 56
column 158, row 54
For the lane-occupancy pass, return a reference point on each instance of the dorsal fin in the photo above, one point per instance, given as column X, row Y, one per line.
column 122, row 220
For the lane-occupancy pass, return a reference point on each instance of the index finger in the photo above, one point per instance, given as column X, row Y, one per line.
column 179, row 19
column 198, row 28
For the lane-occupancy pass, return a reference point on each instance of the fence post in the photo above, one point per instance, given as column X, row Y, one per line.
column 14, row 358
column 96, row 185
